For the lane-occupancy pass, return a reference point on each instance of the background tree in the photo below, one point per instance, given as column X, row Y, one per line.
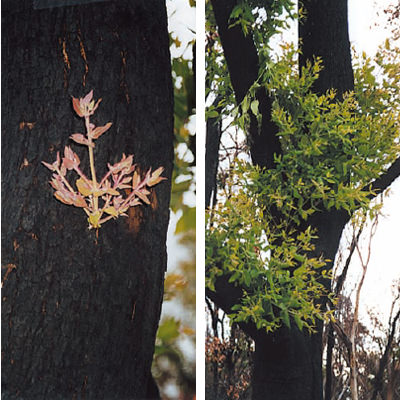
column 174, row 366
column 80, row 313
column 229, row 358
column 288, row 360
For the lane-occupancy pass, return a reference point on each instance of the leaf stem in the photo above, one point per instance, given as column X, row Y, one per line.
column 70, row 188
column 91, row 161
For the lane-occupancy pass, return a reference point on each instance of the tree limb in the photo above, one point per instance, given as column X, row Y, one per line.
column 385, row 180
column 213, row 138
column 243, row 64
column 225, row 296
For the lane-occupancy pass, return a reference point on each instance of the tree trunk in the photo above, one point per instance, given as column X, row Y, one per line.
column 287, row 366
column 80, row 314
column 295, row 358
column 324, row 33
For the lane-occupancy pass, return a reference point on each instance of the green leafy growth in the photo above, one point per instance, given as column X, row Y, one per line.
column 332, row 150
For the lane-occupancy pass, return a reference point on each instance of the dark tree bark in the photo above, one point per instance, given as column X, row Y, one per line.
column 324, row 33
column 242, row 60
column 80, row 315
column 213, row 139
column 288, row 363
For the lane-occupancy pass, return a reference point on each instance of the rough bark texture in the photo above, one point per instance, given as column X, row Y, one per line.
column 213, row 139
column 324, row 33
column 79, row 316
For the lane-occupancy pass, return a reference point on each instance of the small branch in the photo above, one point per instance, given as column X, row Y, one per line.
column 378, row 382
column 385, row 180
column 354, row 326
column 66, row 183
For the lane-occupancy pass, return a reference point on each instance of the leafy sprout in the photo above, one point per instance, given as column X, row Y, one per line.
column 121, row 187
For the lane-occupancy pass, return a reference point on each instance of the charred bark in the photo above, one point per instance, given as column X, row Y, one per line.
column 324, row 33
column 80, row 314
column 213, row 139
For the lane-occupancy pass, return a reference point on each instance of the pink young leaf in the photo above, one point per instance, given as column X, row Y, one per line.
column 135, row 180
column 124, row 165
column 57, row 183
column 142, row 196
column 63, row 170
column 117, row 201
column 80, row 139
column 70, row 159
column 49, row 166
column 134, row 202
column 98, row 131
column 88, row 98
column 85, row 106
column 65, row 197
column 95, row 107
column 55, row 165
column 122, row 211
column 77, row 106
column 79, row 201
column 155, row 177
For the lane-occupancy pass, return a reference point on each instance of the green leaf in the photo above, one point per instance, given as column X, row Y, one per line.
column 254, row 107
column 83, row 187
column 298, row 321
column 285, row 317
column 168, row 330
column 187, row 221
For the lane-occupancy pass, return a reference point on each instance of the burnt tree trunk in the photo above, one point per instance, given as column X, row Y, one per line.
column 80, row 314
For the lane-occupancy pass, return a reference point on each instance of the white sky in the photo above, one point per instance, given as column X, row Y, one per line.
column 367, row 31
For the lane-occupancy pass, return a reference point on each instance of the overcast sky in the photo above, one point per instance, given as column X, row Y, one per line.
column 368, row 30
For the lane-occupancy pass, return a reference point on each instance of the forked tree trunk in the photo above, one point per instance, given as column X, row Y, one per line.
column 80, row 315
column 288, row 363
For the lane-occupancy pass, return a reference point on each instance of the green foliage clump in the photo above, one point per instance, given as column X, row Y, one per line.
column 333, row 149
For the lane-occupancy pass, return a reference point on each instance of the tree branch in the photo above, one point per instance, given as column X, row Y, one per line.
column 213, row 138
column 225, row 296
column 243, row 64
column 385, row 180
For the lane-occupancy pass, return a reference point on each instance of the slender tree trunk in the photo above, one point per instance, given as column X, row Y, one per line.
column 213, row 139
column 80, row 314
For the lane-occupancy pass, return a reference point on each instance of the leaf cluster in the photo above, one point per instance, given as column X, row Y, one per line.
column 88, row 192
column 332, row 150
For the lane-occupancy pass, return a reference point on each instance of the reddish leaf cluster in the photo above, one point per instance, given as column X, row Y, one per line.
column 88, row 192
column 227, row 366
